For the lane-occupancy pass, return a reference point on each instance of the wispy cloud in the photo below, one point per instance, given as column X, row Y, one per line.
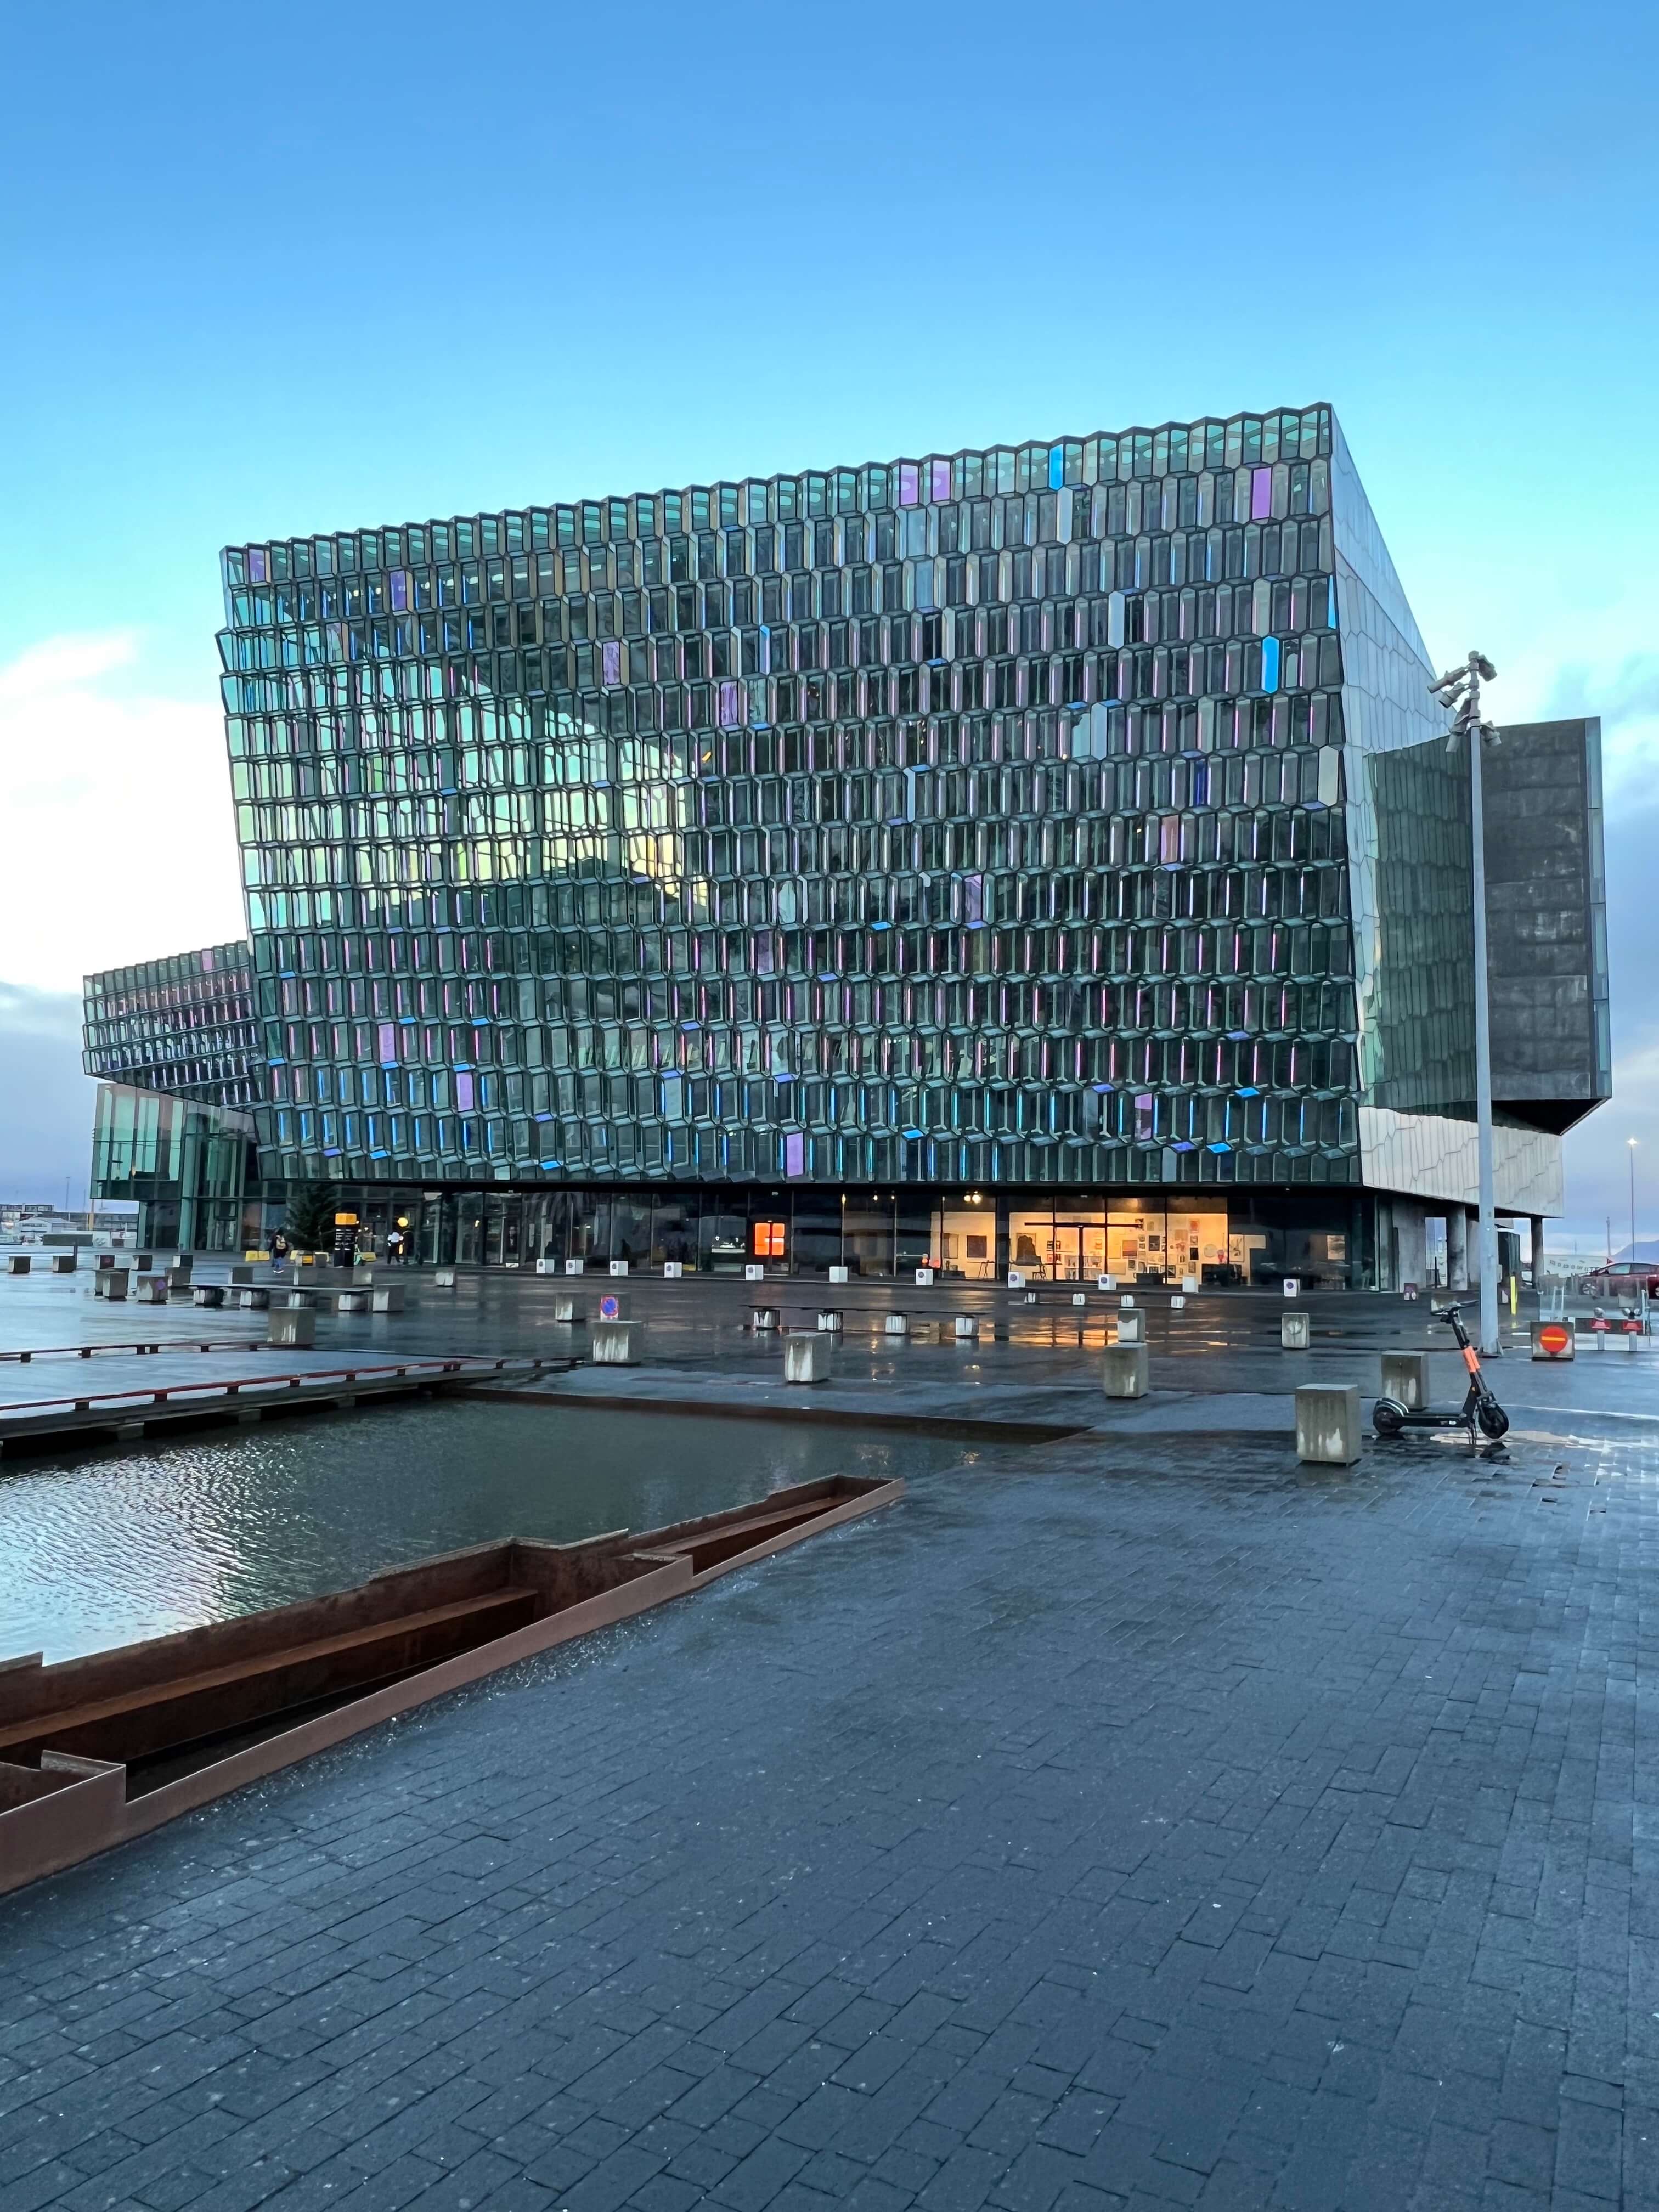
column 66, row 664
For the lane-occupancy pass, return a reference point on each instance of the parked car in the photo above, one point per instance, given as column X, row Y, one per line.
column 1620, row 1283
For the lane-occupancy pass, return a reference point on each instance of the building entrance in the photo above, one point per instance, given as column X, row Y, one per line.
column 1142, row 1245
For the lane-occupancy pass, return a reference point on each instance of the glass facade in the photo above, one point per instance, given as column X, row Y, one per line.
column 956, row 819
column 185, row 1025
column 715, row 868
column 192, row 1167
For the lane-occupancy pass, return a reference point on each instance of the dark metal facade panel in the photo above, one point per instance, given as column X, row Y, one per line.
column 1547, row 921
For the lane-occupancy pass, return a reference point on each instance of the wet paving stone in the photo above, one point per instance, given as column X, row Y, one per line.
column 1120, row 1821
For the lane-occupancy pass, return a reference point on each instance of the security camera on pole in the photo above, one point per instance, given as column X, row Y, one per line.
column 1460, row 688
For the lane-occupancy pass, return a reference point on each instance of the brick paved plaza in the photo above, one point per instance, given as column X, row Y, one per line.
column 1115, row 1823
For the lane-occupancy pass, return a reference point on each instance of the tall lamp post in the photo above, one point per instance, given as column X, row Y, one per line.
column 1460, row 688
column 1632, row 1146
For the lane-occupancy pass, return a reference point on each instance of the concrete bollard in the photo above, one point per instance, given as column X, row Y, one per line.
column 673, row 1270
column 550, row 1266
column 386, row 1297
column 575, row 1266
column 253, row 1297
column 1124, row 1370
column 180, row 1265
column 1405, row 1379
column 1295, row 1332
column 1178, row 1303
column 1126, row 1299
column 209, row 1294
column 1132, row 1328
column 351, row 1302
column 63, row 1263
column 569, row 1309
column 443, row 1279
column 896, row 1324
column 619, row 1266
column 143, row 1261
column 829, row 1320
column 151, row 1289
column 617, row 1343
column 105, row 1260
column 110, row 1283
column 1191, row 1283
column 1105, row 1282
column 754, row 1272
column 1079, row 1298
column 240, row 1276
column 292, row 1327
column 1328, row 1424
column 924, row 1279
column 967, row 1329
column 807, row 1357
column 18, row 1263
column 839, row 1274
column 763, row 1318
column 304, row 1300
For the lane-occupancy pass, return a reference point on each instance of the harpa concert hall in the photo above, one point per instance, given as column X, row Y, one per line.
column 1046, row 857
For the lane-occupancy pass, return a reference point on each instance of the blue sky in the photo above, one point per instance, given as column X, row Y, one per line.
column 281, row 270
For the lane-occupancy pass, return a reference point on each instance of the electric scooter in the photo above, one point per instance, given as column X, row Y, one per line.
column 1479, row 1410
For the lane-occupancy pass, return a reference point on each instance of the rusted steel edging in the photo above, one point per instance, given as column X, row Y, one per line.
column 48, row 1824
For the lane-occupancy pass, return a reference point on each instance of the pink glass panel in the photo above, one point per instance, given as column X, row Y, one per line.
column 464, row 1090
column 729, row 712
column 941, row 480
column 400, row 591
column 257, row 573
column 909, row 486
column 388, row 1042
column 794, row 1154
column 611, row 662
column 1261, row 494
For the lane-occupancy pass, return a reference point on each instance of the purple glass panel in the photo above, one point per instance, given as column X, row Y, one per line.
column 973, row 898
column 1261, row 494
column 794, row 1153
column 909, row 486
column 941, row 480
column 729, row 713
column 207, row 962
column 257, row 573
column 611, row 662
column 464, row 1090
column 388, row 1043
column 400, row 591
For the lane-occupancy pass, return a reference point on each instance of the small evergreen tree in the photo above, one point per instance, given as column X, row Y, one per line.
column 310, row 1210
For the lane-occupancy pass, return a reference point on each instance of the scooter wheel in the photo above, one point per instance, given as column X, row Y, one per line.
column 1388, row 1418
column 1493, row 1420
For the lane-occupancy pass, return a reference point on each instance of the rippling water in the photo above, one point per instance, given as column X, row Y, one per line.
column 108, row 1547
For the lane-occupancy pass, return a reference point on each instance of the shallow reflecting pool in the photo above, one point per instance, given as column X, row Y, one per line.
column 106, row 1547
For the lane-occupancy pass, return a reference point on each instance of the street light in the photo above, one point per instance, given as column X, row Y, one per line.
column 1631, row 1143
column 1460, row 688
